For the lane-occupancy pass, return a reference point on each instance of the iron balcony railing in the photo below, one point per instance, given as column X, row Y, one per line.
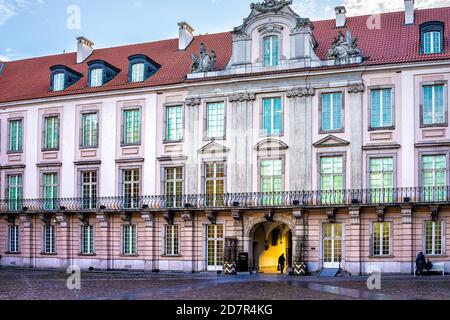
column 288, row 199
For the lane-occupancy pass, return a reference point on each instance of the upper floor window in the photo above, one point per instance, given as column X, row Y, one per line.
column 332, row 112
column 272, row 117
column 51, row 133
column 15, row 133
column 271, row 175
column 173, row 186
column 132, row 126
column 215, row 120
column 63, row 77
column 89, row 130
column 381, row 179
column 271, row 51
column 101, row 72
column 89, row 184
column 214, row 182
column 141, row 68
column 50, row 190
column 382, row 109
column 58, row 82
column 434, row 106
column 174, row 123
column 131, row 187
column 434, row 177
column 15, row 192
column 432, row 37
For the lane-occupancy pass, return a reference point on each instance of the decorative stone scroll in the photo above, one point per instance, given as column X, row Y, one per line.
column 169, row 216
column 188, row 218
column 61, row 218
column 84, row 218
column 10, row 218
column 242, row 97
column 193, row 102
column 126, row 217
column 269, row 214
column 355, row 215
column 434, row 211
column 331, row 215
column 149, row 219
column 45, row 218
column 406, row 214
column 300, row 92
column 25, row 220
column 236, row 214
column 356, row 88
column 381, row 211
column 102, row 218
column 211, row 216
column 270, row 5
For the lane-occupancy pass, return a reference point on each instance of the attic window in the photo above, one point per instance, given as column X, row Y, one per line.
column 100, row 73
column 432, row 37
column 141, row 68
column 62, row 77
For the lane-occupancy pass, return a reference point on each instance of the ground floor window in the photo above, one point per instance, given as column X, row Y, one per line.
column 433, row 237
column 129, row 240
column 171, row 240
column 87, row 239
column 49, row 239
column 381, row 239
column 215, row 245
column 13, row 239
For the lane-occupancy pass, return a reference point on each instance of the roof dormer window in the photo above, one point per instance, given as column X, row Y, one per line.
column 271, row 51
column 432, row 37
column 62, row 77
column 100, row 73
column 141, row 68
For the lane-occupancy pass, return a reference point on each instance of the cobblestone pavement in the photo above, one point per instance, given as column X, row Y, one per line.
column 19, row 284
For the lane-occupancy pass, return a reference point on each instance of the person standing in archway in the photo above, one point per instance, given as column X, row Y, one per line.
column 281, row 263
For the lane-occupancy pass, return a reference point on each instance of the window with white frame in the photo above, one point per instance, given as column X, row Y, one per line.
column 381, row 239
column 49, row 239
column 174, row 123
column 132, row 126
column 433, row 109
column 434, row 233
column 131, row 187
column 434, row 177
column 173, row 186
column 13, row 239
column 382, row 108
column 15, row 135
column 332, row 112
column 432, row 42
column 137, row 72
column 96, row 77
column 15, row 192
column 51, row 133
column 129, row 240
column 271, row 51
column 215, row 120
column 59, row 82
column 214, row 176
column 332, row 173
column 271, row 175
column 50, row 190
column 272, row 117
column 381, row 179
column 89, row 130
column 171, row 240
column 89, row 180
column 87, row 239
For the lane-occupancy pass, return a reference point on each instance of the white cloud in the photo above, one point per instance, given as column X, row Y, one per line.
column 361, row 7
column 10, row 8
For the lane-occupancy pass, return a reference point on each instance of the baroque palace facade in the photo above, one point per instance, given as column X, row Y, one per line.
column 327, row 141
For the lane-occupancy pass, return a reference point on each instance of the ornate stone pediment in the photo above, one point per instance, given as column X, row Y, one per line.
column 213, row 148
column 270, row 5
column 344, row 47
column 271, row 145
column 331, row 141
column 205, row 62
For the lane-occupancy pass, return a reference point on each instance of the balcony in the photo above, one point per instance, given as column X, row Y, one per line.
column 291, row 199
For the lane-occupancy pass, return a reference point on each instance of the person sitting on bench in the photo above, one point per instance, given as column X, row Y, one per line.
column 420, row 263
column 428, row 265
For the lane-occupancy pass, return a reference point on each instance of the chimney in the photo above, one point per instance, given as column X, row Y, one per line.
column 186, row 35
column 85, row 47
column 341, row 19
column 409, row 11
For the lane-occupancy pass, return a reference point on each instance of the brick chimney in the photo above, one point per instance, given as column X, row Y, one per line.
column 409, row 11
column 341, row 18
column 186, row 35
column 85, row 47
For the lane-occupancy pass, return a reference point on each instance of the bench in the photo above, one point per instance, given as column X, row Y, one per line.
column 437, row 267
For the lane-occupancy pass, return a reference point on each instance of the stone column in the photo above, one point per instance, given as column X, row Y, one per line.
column 300, row 135
column 149, row 229
column 27, row 243
column 300, row 235
column 407, row 254
column 188, row 237
column 63, row 240
column 356, row 131
column 192, row 125
column 238, row 230
column 353, row 243
column 241, row 162
column 102, row 241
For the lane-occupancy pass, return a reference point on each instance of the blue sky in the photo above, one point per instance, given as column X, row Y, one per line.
column 30, row 28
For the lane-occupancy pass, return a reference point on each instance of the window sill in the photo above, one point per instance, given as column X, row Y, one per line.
column 14, row 152
column 87, row 255
column 438, row 125
column 129, row 255
column 171, row 256
column 13, row 253
column 50, row 150
column 124, row 145
column 331, row 131
column 49, row 254
column 382, row 129
column 88, row 147
column 381, row 257
column 173, row 142
column 436, row 256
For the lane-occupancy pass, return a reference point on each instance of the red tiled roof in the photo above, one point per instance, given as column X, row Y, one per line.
column 392, row 43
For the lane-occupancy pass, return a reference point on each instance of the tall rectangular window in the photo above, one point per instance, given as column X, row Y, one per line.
column 131, row 188
column 173, row 186
column 215, row 120
column 382, row 109
column 137, row 72
column 132, row 126
column 271, row 181
column 50, row 191
column 382, row 179
column 332, row 112
column 434, row 233
column 434, row 177
column 89, row 131
column 174, row 125
column 129, row 240
column 13, row 239
column 15, row 135
column 59, row 82
column 332, row 179
column 15, row 192
column 49, row 239
column 272, row 117
column 432, row 42
column 89, row 189
column 51, row 133
column 96, row 77
column 271, row 51
column 214, row 183
column 433, row 112
column 171, row 240
column 381, row 239
column 87, row 239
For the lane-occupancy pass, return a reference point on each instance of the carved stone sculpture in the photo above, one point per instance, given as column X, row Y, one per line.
column 270, row 5
column 344, row 47
column 205, row 62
